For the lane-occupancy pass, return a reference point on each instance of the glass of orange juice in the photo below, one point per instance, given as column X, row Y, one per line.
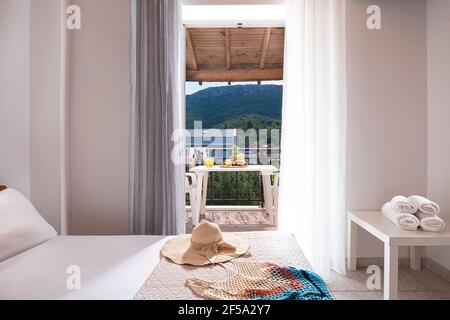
column 209, row 162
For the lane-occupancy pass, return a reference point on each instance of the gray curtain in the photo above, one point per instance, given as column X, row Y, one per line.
column 156, row 181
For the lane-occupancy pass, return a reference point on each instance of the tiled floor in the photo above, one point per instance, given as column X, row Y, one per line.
column 413, row 285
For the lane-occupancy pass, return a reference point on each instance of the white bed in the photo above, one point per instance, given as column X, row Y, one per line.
column 122, row 267
column 36, row 264
column 111, row 268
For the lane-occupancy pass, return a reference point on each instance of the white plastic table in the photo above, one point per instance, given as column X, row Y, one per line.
column 202, row 173
column 393, row 237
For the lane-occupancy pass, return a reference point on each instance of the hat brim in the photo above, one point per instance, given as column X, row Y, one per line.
column 179, row 251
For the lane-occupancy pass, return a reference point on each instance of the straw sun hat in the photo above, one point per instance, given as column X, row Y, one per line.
column 207, row 245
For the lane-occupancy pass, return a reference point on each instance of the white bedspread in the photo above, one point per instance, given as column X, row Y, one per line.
column 111, row 268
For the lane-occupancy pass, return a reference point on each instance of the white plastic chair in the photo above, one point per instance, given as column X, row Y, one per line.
column 274, row 188
column 191, row 189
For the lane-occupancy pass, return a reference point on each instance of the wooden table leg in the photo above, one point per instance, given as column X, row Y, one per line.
column 415, row 257
column 352, row 245
column 198, row 200
column 390, row 272
column 268, row 199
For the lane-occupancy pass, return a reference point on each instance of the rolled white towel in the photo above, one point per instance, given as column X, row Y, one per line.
column 403, row 205
column 433, row 224
column 405, row 221
column 422, row 215
column 426, row 206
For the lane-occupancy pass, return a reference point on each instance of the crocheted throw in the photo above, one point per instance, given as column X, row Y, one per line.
column 263, row 281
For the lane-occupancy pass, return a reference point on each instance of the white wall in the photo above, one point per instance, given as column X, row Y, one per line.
column 99, row 119
column 30, row 81
column 15, row 95
column 46, row 109
column 32, row 106
column 386, row 106
column 439, row 114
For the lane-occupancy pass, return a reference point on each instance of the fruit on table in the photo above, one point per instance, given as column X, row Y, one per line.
column 209, row 162
column 240, row 163
column 228, row 163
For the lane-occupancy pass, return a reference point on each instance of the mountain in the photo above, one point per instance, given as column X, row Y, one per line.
column 240, row 107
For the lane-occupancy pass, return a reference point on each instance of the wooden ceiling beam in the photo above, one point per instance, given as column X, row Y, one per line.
column 235, row 75
column 227, row 48
column 192, row 50
column 265, row 48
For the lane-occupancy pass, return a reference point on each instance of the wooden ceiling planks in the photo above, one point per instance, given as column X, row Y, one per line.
column 191, row 49
column 228, row 48
column 266, row 43
column 234, row 54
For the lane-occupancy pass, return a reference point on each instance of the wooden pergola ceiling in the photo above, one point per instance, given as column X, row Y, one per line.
column 234, row 54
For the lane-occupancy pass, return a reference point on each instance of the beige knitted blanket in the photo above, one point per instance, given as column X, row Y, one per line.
column 167, row 282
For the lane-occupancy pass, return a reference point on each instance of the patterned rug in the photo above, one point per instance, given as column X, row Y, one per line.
column 235, row 217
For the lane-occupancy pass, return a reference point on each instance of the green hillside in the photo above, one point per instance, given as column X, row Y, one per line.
column 237, row 107
column 252, row 121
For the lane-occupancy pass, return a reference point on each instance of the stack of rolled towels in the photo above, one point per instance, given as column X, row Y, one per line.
column 414, row 212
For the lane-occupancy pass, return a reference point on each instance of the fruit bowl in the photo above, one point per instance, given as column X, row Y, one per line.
column 234, row 164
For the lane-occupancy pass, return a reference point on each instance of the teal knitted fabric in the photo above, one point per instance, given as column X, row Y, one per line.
column 314, row 288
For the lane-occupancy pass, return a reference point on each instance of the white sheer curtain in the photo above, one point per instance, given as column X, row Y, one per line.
column 312, row 181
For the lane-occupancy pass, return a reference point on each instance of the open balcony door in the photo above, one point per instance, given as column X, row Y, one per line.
column 260, row 72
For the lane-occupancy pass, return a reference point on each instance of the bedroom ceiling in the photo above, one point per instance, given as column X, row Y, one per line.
column 234, row 54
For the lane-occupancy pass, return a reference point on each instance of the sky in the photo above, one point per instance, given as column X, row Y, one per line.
column 232, row 13
column 193, row 87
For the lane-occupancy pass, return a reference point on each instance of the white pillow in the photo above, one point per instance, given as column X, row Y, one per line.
column 21, row 226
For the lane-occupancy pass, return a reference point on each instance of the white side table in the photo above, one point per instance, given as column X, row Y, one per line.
column 393, row 238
